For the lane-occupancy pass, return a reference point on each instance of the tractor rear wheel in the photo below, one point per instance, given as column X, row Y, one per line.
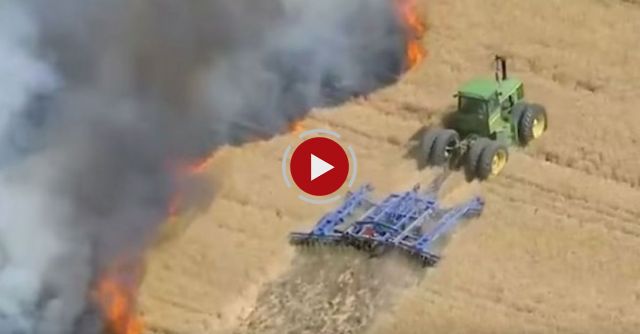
column 428, row 139
column 444, row 146
column 532, row 124
column 473, row 156
column 493, row 158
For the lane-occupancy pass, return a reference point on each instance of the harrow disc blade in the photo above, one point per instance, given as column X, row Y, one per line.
column 309, row 240
column 299, row 239
column 424, row 259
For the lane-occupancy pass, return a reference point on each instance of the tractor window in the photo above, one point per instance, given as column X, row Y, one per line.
column 520, row 92
column 471, row 105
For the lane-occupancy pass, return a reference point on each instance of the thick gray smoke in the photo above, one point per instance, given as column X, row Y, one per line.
column 98, row 98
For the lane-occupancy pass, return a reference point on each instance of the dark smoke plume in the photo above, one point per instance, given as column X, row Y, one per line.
column 99, row 97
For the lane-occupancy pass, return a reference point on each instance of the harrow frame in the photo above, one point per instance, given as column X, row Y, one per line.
column 411, row 222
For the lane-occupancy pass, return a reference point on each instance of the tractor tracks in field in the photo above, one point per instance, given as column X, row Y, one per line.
column 462, row 297
column 543, row 317
column 405, row 111
column 611, row 217
column 386, row 140
column 266, row 209
column 591, row 162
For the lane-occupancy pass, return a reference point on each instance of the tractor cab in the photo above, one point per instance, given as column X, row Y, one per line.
column 485, row 105
column 475, row 105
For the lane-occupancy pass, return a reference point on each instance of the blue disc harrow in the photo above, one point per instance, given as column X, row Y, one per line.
column 411, row 222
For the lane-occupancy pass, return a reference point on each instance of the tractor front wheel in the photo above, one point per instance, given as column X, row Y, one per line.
column 532, row 124
column 444, row 146
column 492, row 160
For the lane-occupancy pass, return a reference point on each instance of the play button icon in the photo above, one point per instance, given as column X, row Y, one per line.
column 319, row 166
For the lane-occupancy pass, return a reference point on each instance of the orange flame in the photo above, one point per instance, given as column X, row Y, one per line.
column 197, row 167
column 117, row 304
column 296, row 127
column 200, row 165
column 416, row 28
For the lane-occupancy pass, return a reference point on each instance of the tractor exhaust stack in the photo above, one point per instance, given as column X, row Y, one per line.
column 501, row 68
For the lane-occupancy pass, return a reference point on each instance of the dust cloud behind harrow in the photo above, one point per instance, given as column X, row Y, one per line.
column 331, row 290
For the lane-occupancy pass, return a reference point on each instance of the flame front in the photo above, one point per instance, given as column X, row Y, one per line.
column 201, row 165
column 296, row 127
column 415, row 30
column 117, row 303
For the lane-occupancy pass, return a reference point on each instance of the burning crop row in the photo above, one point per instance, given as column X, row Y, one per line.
column 415, row 30
column 115, row 298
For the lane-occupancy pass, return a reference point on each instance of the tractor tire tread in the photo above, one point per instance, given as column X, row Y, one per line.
column 443, row 139
column 426, row 145
column 525, row 124
column 473, row 156
column 485, row 164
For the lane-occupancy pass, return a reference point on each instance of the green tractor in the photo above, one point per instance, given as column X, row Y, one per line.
column 491, row 116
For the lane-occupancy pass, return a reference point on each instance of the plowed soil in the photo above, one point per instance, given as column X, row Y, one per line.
column 556, row 251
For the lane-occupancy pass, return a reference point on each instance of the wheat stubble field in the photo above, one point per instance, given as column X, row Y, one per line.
column 556, row 250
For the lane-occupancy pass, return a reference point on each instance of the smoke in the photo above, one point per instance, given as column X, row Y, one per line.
column 99, row 97
column 319, row 53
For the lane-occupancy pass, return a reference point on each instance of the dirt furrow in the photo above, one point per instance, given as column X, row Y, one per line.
column 343, row 127
column 590, row 162
column 559, row 211
column 542, row 314
column 548, row 200
column 628, row 215
column 464, row 300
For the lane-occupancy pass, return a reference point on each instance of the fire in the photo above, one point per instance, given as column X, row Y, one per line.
column 296, row 127
column 117, row 303
column 416, row 28
column 415, row 54
column 197, row 167
column 201, row 165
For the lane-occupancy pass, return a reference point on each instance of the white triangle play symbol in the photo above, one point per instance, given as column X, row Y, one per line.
column 319, row 167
